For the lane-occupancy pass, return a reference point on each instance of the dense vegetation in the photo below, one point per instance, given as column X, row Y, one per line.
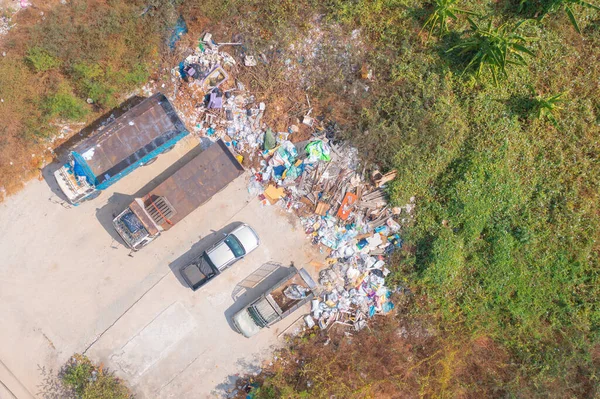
column 490, row 111
column 86, row 380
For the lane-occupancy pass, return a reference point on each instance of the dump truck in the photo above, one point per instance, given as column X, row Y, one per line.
column 177, row 195
column 134, row 139
column 287, row 295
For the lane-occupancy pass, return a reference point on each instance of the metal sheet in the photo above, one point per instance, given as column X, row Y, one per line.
column 128, row 138
column 197, row 181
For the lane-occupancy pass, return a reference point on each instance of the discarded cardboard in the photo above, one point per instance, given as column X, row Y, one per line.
column 380, row 179
column 273, row 193
column 322, row 208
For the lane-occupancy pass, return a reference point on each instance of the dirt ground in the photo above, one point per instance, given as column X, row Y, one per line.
column 68, row 286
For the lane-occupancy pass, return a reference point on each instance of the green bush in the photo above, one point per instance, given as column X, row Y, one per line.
column 77, row 374
column 65, row 105
column 41, row 60
column 92, row 382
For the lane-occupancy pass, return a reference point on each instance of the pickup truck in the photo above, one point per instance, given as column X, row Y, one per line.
column 275, row 304
column 236, row 245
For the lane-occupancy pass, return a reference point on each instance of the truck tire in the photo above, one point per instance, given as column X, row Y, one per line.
column 150, row 161
column 168, row 149
column 95, row 195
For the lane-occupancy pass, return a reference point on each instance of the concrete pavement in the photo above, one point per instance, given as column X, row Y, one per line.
column 67, row 285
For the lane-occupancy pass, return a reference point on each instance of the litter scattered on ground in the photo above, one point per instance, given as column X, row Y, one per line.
column 343, row 209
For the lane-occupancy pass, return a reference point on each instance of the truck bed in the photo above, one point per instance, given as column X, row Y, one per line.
column 283, row 301
column 196, row 182
column 198, row 273
column 130, row 137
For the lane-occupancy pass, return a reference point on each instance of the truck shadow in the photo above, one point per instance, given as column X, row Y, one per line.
column 197, row 249
column 57, row 196
column 105, row 215
column 62, row 151
column 253, row 285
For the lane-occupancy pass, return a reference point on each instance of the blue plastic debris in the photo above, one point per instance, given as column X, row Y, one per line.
column 179, row 30
column 387, row 307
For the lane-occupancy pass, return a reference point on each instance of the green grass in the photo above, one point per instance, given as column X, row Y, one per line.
column 507, row 213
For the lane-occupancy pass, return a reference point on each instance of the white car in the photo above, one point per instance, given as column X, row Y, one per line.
column 236, row 245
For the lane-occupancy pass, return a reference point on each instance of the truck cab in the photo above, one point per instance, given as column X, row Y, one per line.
column 136, row 226
column 74, row 183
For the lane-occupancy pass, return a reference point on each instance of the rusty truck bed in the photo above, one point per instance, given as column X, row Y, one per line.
column 137, row 132
column 196, row 182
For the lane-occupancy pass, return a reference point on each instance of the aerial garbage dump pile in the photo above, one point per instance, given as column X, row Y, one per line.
column 343, row 211
column 345, row 215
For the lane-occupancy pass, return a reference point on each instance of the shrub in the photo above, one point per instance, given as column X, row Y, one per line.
column 89, row 381
column 41, row 60
column 493, row 48
column 78, row 373
column 65, row 105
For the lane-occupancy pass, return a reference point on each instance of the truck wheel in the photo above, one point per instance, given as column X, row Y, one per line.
column 150, row 161
column 94, row 195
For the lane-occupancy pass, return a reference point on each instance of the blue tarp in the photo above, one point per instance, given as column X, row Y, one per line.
column 179, row 30
column 81, row 168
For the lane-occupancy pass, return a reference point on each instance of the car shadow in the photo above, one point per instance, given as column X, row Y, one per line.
column 254, row 285
column 198, row 248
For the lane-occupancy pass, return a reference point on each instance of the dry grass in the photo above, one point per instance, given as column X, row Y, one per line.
column 397, row 358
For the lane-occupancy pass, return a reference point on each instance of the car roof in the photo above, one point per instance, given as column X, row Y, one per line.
column 247, row 237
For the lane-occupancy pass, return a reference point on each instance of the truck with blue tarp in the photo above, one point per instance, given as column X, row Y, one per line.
column 134, row 139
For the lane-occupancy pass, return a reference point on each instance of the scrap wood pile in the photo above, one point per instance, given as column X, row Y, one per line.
column 343, row 210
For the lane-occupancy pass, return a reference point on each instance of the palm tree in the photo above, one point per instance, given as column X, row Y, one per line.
column 493, row 48
column 442, row 10
column 552, row 6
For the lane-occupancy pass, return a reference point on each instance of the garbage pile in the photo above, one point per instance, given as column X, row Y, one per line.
column 344, row 214
column 215, row 106
column 353, row 291
column 343, row 211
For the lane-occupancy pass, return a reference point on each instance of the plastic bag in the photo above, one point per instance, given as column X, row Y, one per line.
column 269, row 142
column 318, row 151
column 295, row 292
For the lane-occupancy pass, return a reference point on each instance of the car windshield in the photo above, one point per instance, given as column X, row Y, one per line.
column 235, row 246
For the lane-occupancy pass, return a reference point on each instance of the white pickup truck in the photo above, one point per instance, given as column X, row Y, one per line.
column 275, row 304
